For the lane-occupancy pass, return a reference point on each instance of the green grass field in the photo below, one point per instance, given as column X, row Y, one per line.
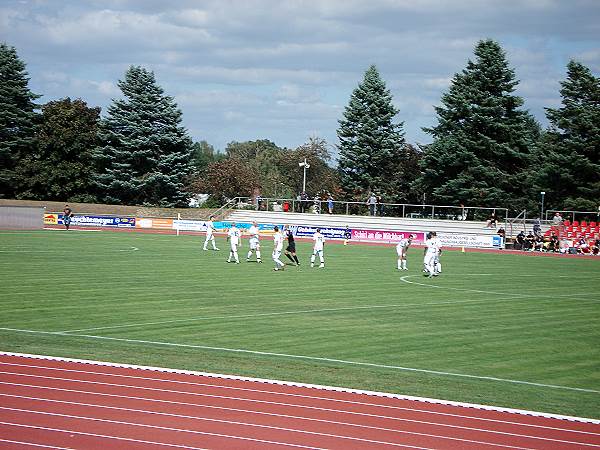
column 503, row 329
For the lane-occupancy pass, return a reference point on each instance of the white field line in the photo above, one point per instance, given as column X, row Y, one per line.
column 270, row 392
column 331, row 422
column 281, row 313
column 319, row 310
column 304, row 385
column 135, row 424
column 309, row 358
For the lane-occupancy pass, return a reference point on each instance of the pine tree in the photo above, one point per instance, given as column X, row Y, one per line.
column 483, row 140
column 17, row 118
column 568, row 169
column 145, row 156
column 371, row 144
column 61, row 167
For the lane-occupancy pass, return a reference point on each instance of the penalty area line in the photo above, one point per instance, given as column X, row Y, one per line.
column 308, row 358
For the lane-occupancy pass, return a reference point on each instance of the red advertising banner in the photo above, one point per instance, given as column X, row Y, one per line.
column 386, row 236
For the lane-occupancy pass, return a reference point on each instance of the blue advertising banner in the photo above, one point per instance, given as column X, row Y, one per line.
column 84, row 220
column 328, row 232
column 245, row 226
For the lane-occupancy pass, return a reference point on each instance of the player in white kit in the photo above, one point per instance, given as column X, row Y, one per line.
column 318, row 248
column 210, row 229
column 233, row 236
column 401, row 250
column 254, row 242
column 432, row 250
column 277, row 248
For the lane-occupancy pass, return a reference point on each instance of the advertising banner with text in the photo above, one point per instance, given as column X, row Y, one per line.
column 328, row 232
column 386, row 236
column 470, row 241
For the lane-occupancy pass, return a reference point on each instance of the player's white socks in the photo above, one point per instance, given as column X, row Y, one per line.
column 399, row 264
column 235, row 256
column 312, row 260
column 258, row 255
column 438, row 268
column 249, row 254
column 404, row 265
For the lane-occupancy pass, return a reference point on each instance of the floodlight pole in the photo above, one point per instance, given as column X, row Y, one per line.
column 305, row 166
column 542, row 214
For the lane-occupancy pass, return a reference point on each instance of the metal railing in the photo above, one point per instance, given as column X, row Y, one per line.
column 404, row 210
column 593, row 216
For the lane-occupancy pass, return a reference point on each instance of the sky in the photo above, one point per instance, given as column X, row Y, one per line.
column 284, row 70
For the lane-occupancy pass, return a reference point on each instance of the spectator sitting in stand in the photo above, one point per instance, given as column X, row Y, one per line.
column 492, row 220
column 529, row 242
column 501, row 232
column 554, row 244
column 583, row 246
column 596, row 246
column 520, row 241
column 538, row 242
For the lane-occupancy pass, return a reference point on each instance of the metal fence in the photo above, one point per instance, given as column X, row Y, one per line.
column 404, row 210
column 590, row 216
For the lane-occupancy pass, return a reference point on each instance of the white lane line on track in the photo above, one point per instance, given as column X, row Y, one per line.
column 183, row 430
column 309, row 358
column 31, row 444
column 331, row 422
column 104, row 436
column 286, row 394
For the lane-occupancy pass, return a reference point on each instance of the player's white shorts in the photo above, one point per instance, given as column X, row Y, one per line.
column 401, row 251
column 429, row 259
column 254, row 243
column 316, row 252
column 276, row 254
column 209, row 237
column 234, row 247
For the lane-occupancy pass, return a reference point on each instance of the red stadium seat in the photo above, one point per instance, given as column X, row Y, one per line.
column 575, row 223
column 566, row 223
column 593, row 224
column 583, row 223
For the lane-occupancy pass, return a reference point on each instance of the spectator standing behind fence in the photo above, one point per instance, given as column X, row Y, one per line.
column 317, row 205
column 380, row 206
column 67, row 215
column 537, row 227
column 330, row 204
column 303, row 201
column 372, row 202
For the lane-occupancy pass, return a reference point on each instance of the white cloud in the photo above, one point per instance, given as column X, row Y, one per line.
column 244, row 69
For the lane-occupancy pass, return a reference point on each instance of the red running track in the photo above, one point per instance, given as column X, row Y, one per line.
column 59, row 403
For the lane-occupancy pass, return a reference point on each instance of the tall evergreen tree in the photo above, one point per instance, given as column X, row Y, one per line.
column 61, row 167
column 568, row 168
column 371, row 144
column 18, row 118
column 145, row 155
column 483, row 140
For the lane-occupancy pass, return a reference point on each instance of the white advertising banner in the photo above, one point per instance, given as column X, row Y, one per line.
column 189, row 225
column 470, row 240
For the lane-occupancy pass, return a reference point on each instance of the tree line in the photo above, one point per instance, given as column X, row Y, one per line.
column 486, row 150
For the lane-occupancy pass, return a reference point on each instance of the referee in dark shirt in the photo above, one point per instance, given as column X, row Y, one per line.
column 290, row 250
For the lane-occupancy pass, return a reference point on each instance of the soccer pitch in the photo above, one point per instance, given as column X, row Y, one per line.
column 500, row 329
